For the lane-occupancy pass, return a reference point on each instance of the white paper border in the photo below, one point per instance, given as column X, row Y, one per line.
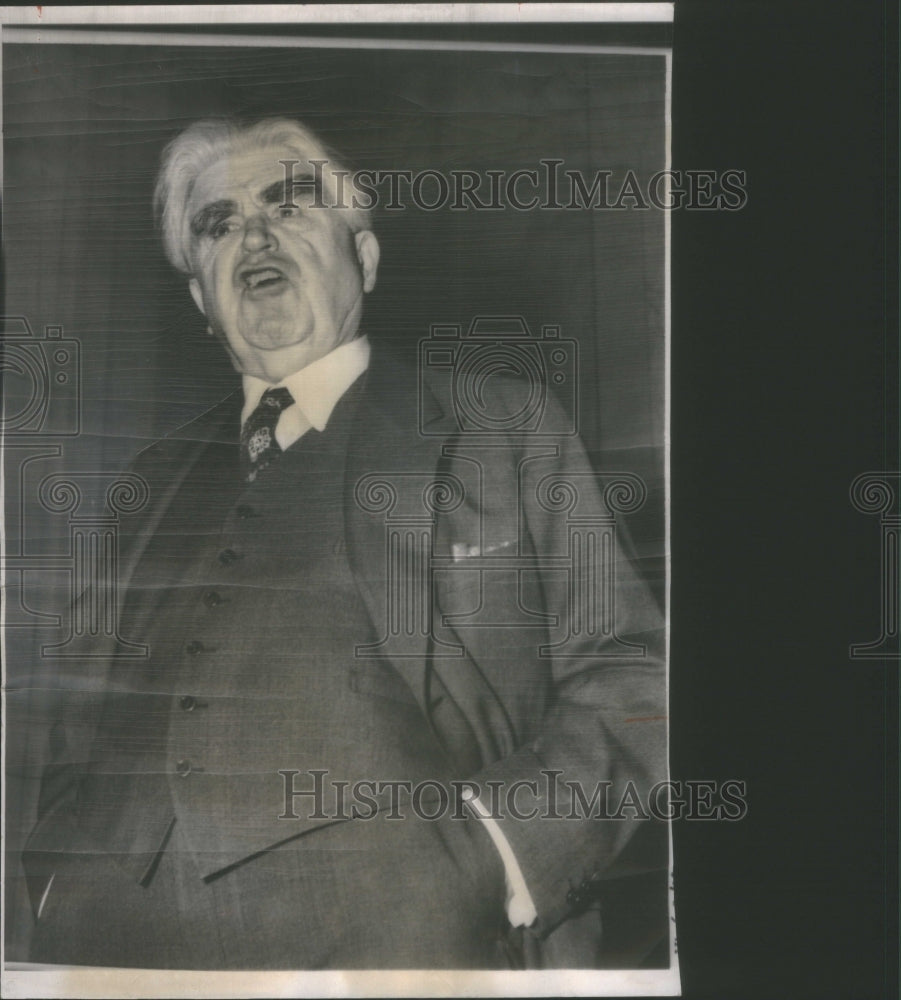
column 344, row 13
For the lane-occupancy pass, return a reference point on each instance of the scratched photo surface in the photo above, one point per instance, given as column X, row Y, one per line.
column 435, row 582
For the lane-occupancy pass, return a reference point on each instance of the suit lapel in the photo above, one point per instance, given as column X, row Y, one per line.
column 167, row 464
column 387, row 444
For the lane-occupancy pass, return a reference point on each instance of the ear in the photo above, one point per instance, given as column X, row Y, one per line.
column 196, row 294
column 368, row 255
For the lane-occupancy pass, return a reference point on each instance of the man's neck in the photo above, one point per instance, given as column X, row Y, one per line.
column 317, row 387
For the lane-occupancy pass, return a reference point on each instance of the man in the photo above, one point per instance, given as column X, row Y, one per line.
column 189, row 834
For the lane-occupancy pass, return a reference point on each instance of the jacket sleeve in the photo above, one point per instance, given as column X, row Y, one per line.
column 586, row 778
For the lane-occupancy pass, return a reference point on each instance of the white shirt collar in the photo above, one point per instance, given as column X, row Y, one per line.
column 317, row 388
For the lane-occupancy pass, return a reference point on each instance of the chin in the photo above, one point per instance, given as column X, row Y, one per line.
column 270, row 335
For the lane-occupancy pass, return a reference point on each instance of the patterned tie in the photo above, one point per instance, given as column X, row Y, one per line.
column 258, row 445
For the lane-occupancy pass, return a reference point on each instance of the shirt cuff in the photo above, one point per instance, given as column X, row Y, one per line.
column 521, row 910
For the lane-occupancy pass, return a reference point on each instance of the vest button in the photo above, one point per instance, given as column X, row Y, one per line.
column 211, row 599
column 228, row 556
column 187, row 703
column 183, row 768
column 244, row 511
column 194, row 647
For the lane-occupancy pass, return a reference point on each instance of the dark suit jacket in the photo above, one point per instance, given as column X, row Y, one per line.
column 592, row 713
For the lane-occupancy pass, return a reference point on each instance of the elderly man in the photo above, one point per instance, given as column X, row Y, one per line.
column 189, row 836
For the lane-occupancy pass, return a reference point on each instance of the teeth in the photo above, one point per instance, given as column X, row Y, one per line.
column 258, row 277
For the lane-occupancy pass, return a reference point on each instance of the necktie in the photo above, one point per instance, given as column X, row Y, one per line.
column 258, row 445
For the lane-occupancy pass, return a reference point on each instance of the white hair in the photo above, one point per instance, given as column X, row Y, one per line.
column 210, row 140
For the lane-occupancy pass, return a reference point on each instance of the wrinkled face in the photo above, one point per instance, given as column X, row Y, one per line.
column 281, row 286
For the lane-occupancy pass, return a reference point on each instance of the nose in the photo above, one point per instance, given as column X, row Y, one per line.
column 258, row 235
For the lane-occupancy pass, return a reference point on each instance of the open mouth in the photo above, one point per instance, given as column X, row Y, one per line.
column 263, row 279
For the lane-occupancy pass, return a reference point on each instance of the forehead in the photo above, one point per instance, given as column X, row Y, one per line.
column 240, row 176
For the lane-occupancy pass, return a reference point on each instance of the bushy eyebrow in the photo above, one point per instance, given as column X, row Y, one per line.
column 214, row 212
column 277, row 193
column 274, row 194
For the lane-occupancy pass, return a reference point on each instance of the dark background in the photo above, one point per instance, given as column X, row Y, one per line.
column 785, row 387
column 785, row 377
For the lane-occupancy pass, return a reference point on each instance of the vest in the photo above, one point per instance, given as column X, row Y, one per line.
column 252, row 615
